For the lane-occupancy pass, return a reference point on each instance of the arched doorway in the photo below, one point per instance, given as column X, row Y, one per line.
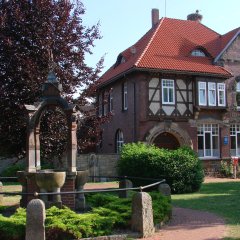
column 166, row 140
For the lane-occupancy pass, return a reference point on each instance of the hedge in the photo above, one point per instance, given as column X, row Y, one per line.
column 181, row 168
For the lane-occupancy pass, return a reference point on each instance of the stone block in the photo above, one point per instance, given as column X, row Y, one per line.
column 142, row 214
column 35, row 227
column 165, row 189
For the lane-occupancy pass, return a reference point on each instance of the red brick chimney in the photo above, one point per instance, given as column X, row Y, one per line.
column 155, row 16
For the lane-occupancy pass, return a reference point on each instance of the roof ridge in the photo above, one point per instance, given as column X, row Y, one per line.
column 149, row 43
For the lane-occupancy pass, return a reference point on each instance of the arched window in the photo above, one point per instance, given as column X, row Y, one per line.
column 119, row 140
column 198, row 53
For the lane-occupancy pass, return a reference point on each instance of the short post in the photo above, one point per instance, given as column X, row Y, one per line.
column 125, row 183
column 164, row 189
column 1, row 196
column 35, row 227
column 142, row 214
column 235, row 163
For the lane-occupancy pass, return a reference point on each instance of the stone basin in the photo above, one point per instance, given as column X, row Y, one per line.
column 50, row 180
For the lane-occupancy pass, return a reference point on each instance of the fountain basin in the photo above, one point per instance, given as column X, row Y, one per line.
column 50, row 180
column 81, row 179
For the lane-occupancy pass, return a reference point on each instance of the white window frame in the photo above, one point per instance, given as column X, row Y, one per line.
column 198, row 53
column 211, row 87
column 221, row 88
column 208, row 128
column 168, row 84
column 202, row 86
column 234, row 131
column 119, row 140
column 125, row 96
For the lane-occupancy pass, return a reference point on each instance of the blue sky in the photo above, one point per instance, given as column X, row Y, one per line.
column 123, row 22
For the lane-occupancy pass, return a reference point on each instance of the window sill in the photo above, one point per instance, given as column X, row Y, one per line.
column 209, row 158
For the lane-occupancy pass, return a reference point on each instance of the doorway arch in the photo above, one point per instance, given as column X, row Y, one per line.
column 166, row 140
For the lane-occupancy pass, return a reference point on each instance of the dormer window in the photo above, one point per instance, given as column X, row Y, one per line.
column 120, row 59
column 198, row 53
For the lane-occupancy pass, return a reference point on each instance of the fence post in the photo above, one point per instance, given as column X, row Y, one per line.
column 35, row 227
column 142, row 214
column 125, row 183
column 164, row 189
column 1, row 196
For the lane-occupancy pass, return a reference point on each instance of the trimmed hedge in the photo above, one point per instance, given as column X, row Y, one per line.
column 181, row 168
column 108, row 212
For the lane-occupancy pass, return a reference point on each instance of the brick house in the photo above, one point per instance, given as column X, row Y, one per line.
column 178, row 85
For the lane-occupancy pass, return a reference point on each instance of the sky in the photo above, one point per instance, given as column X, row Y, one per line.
column 124, row 22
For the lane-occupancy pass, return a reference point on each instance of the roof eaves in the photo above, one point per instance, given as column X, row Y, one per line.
column 227, row 46
column 149, row 43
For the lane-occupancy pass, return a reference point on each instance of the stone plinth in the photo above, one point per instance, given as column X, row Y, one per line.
column 142, row 214
column 164, row 189
column 125, row 183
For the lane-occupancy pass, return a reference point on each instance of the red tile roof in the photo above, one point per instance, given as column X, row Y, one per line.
column 168, row 45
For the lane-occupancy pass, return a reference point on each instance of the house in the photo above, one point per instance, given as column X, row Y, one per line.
column 178, row 85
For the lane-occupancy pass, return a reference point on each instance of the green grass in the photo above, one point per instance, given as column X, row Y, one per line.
column 222, row 199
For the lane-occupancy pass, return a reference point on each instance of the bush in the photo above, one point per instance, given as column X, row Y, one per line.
column 181, row 168
column 108, row 212
column 11, row 171
column 226, row 168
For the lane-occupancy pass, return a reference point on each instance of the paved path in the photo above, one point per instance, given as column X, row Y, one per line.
column 187, row 224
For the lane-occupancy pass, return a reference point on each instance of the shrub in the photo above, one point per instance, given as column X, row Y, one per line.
column 11, row 171
column 108, row 212
column 226, row 168
column 181, row 168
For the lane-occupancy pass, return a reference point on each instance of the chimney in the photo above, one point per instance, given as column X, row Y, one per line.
column 195, row 17
column 155, row 16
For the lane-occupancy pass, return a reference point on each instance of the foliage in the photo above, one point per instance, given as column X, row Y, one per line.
column 181, row 168
column 11, row 171
column 108, row 212
column 226, row 168
column 34, row 35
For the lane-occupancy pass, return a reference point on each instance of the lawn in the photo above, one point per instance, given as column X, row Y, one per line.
column 222, row 199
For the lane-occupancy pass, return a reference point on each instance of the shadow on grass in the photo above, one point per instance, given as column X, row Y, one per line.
column 222, row 199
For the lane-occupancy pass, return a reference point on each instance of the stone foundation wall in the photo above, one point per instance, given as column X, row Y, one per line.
column 98, row 164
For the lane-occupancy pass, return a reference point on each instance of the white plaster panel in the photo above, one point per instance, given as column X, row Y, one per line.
column 154, row 107
column 181, row 84
column 191, row 108
column 179, row 97
column 156, row 96
column 168, row 109
column 181, row 108
column 154, row 82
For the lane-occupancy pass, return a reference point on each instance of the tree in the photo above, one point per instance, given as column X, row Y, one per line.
column 29, row 31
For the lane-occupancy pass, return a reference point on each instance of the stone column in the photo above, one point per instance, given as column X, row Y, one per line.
column 125, row 183
column 1, row 196
column 37, row 148
column 142, row 214
column 35, row 227
column 72, row 144
column 31, row 157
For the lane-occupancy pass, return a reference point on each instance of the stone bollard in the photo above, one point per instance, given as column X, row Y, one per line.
column 164, row 189
column 125, row 183
column 142, row 214
column 1, row 196
column 35, row 227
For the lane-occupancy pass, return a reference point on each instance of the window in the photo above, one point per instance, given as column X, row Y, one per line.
column 168, row 92
column 110, row 101
column 125, row 98
column 105, row 103
column 221, row 94
column 202, row 93
column 198, row 53
column 119, row 140
column 100, row 103
column 238, row 95
column 208, row 140
column 235, row 139
column 211, row 94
